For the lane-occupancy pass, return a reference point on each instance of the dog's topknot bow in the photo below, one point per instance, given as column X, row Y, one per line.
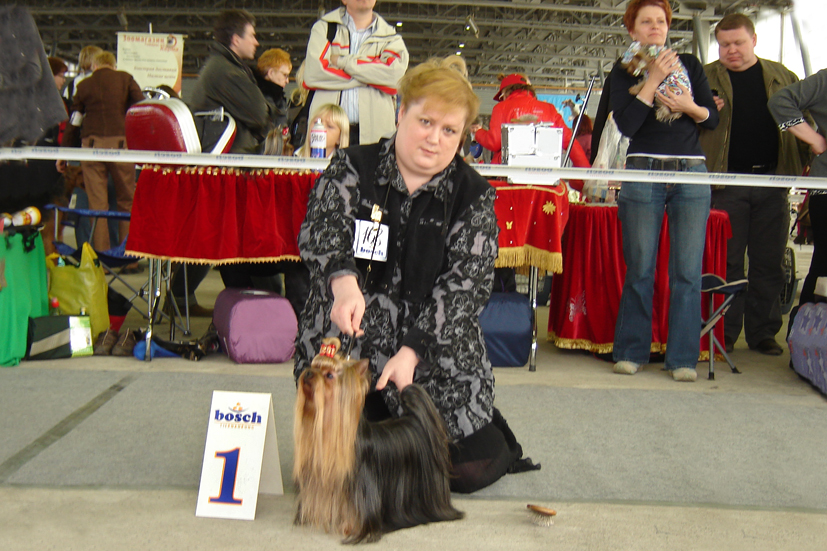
column 328, row 350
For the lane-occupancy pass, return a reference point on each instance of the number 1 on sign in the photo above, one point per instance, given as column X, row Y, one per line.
column 227, row 490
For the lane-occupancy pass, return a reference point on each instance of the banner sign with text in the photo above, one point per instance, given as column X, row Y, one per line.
column 152, row 58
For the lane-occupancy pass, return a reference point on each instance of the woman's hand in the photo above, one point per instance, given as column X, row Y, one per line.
column 683, row 103
column 664, row 65
column 399, row 369
column 659, row 69
column 348, row 305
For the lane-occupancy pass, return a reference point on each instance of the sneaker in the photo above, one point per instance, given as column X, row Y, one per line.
column 685, row 374
column 125, row 344
column 626, row 368
column 729, row 344
column 106, row 340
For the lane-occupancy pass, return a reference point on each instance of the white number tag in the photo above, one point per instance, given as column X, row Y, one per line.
column 369, row 243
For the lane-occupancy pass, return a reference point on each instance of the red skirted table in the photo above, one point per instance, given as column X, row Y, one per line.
column 223, row 215
column 531, row 221
column 586, row 297
column 218, row 215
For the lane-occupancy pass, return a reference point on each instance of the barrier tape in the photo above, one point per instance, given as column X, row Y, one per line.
column 538, row 176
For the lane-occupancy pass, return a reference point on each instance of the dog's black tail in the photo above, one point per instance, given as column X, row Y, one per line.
column 403, row 471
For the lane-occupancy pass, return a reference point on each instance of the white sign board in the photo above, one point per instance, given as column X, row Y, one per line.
column 152, row 58
column 241, row 456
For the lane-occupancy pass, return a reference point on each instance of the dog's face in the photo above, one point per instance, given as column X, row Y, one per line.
column 333, row 387
column 637, row 59
column 327, row 375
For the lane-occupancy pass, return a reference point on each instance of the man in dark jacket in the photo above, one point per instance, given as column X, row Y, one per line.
column 226, row 81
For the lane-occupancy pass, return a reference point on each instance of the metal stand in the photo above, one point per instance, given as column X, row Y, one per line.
column 533, row 278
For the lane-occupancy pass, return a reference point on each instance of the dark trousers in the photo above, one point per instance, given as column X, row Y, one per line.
column 760, row 219
column 195, row 275
column 296, row 279
column 818, row 264
column 354, row 135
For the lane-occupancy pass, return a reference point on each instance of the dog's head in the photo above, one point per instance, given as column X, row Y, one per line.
column 333, row 381
column 329, row 402
column 637, row 59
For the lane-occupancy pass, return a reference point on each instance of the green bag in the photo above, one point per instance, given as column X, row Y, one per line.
column 23, row 291
column 53, row 337
column 81, row 286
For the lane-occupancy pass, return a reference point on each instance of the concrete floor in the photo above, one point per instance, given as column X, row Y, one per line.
column 115, row 518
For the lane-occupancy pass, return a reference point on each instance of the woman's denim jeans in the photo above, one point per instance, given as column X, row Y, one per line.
column 641, row 207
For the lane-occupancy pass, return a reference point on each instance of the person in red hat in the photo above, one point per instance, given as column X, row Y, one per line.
column 519, row 103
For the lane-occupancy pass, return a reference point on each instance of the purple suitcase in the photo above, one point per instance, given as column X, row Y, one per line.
column 808, row 344
column 255, row 326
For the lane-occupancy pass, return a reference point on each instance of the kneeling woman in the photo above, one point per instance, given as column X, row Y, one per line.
column 412, row 297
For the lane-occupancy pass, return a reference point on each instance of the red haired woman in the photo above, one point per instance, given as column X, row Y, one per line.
column 669, row 146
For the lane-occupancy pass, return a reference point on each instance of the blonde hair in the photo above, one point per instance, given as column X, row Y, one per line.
column 87, row 56
column 273, row 59
column 104, row 59
column 299, row 94
column 337, row 116
column 444, row 80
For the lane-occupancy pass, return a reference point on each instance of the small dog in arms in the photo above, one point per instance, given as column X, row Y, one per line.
column 636, row 61
column 362, row 479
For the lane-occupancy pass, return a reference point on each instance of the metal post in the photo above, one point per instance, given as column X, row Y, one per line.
column 805, row 52
column 532, row 298
column 579, row 118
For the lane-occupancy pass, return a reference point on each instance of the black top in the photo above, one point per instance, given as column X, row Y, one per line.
column 754, row 134
column 649, row 136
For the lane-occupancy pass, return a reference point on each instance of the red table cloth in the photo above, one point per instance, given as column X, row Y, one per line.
column 222, row 215
column 218, row 215
column 531, row 221
column 585, row 298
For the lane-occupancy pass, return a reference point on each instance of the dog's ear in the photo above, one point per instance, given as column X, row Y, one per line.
column 362, row 366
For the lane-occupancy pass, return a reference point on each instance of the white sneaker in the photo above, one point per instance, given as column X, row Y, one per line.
column 685, row 374
column 626, row 368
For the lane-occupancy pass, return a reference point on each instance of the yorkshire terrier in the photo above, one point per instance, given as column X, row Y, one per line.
column 358, row 478
column 637, row 59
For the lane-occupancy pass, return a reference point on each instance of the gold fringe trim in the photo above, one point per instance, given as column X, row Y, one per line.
column 213, row 262
column 579, row 344
column 584, row 344
column 514, row 257
column 216, row 170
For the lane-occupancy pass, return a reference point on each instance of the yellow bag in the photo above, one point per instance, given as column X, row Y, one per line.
column 82, row 286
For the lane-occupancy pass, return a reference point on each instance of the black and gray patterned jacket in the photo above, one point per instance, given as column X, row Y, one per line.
column 428, row 294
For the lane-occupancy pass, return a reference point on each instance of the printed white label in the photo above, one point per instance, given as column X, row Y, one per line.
column 371, row 241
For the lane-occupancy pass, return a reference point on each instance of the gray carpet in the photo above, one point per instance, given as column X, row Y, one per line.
column 594, row 445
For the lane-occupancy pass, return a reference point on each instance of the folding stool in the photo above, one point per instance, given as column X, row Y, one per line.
column 713, row 284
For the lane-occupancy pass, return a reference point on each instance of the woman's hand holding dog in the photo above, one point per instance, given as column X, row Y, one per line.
column 683, row 103
column 399, row 369
column 661, row 67
column 348, row 305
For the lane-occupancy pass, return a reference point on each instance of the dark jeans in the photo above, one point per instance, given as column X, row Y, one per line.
column 760, row 219
column 818, row 264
